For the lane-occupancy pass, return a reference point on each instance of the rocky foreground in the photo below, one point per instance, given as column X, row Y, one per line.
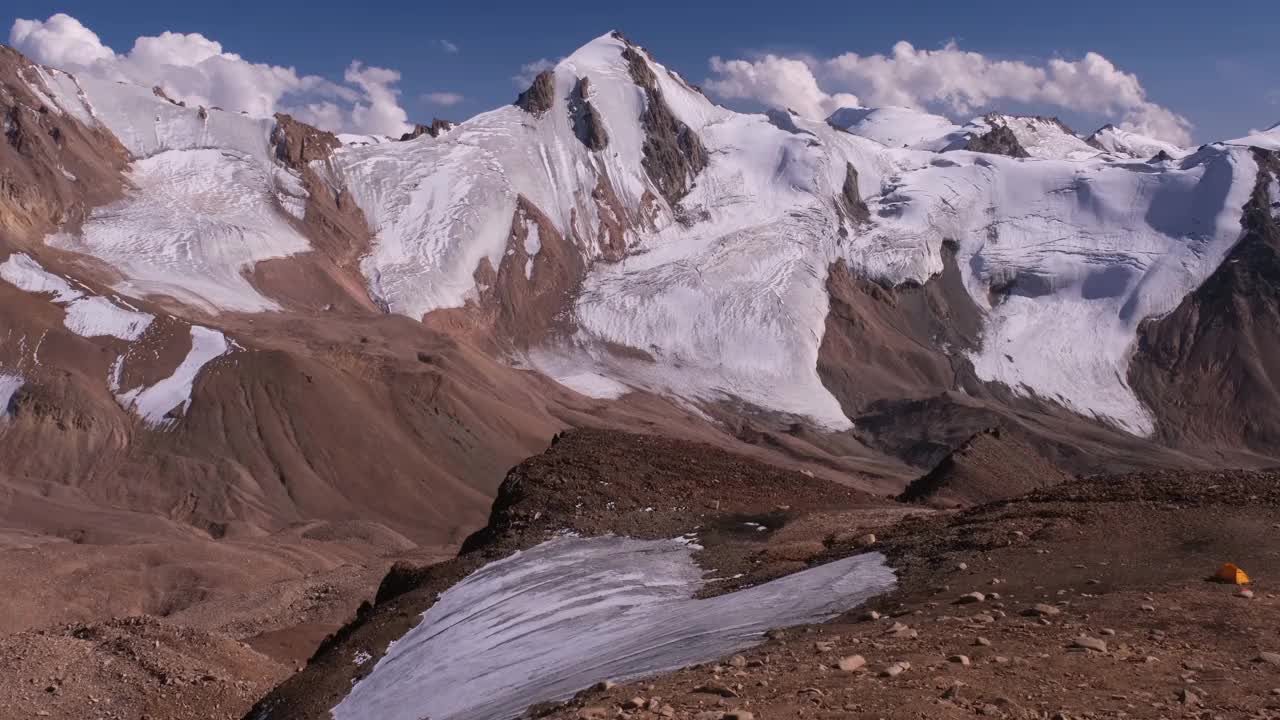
column 1089, row 598
column 1084, row 598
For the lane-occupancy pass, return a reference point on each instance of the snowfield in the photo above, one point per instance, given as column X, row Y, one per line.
column 544, row 623
column 99, row 317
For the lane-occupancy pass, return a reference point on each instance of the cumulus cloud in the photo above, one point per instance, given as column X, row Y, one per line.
column 948, row 78
column 530, row 70
column 444, row 99
column 778, row 82
column 196, row 69
column 449, row 47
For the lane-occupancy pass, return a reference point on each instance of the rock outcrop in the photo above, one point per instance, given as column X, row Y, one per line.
column 673, row 152
column 999, row 140
column 437, row 128
column 540, row 96
column 587, row 123
column 992, row 465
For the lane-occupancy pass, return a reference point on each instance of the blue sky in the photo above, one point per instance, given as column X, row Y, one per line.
column 1218, row 64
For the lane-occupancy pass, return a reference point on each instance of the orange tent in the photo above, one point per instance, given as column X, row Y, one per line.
column 1229, row 573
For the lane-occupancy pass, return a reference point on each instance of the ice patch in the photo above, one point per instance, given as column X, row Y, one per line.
column 9, row 386
column 156, row 403
column 547, row 622
column 98, row 316
column 24, row 273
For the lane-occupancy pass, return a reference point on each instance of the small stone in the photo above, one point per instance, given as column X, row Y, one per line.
column 593, row 712
column 634, row 703
column 1245, row 593
column 981, row 642
column 1147, row 608
column 603, row 685
column 952, row 693
column 989, row 710
column 1042, row 610
column 962, row 660
column 667, row 711
column 1188, row 698
column 895, row 669
column 1269, row 658
column 738, row 661
column 738, row 715
column 868, row 539
column 871, row 615
column 716, row 689
column 968, row 598
column 962, row 566
column 853, row 663
column 1108, row 632
column 1089, row 643
column 824, row 646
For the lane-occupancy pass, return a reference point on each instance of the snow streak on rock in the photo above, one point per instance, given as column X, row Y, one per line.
column 549, row 621
column 162, row 403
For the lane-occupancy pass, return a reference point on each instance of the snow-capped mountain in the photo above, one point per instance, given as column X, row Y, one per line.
column 617, row 231
column 1126, row 143
column 899, row 127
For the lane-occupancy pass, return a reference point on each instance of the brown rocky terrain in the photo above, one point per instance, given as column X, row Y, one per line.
column 1090, row 599
column 991, row 465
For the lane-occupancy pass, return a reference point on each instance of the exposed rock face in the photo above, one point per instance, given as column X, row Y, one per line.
column 1207, row 369
column 540, row 96
column 297, row 143
column 437, row 128
column 992, row 465
column 998, row 141
column 328, row 276
column 53, row 168
column 587, row 124
column 883, row 343
column 528, row 294
column 1093, row 138
column 851, row 204
column 673, row 152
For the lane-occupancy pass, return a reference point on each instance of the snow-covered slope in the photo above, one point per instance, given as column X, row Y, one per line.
column 898, row 127
column 206, row 202
column 1268, row 139
column 1126, row 143
column 1042, row 138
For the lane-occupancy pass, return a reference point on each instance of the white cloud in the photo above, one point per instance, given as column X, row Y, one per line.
column 379, row 112
column 530, row 70
column 446, row 99
column 951, row 79
column 196, row 69
column 778, row 82
column 449, row 47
